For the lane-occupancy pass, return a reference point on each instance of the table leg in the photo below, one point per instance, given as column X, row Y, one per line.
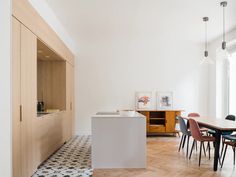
column 217, row 149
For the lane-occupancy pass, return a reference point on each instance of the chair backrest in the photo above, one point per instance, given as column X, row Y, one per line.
column 183, row 126
column 230, row 117
column 193, row 114
column 195, row 130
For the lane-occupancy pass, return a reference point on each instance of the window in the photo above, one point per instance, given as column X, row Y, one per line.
column 232, row 84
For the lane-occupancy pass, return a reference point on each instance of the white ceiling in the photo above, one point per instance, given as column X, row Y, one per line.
column 163, row 18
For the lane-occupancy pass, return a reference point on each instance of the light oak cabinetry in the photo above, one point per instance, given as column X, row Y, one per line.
column 37, row 136
column 160, row 121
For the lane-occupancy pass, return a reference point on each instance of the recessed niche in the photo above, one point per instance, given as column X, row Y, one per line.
column 51, row 79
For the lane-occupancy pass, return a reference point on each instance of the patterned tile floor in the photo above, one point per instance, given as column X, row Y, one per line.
column 71, row 160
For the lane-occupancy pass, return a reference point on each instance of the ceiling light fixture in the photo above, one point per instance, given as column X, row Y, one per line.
column 224, row 5
column 206, row 59
column 206, row 19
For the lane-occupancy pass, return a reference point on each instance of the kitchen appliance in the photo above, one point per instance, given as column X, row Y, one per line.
column 40, row 106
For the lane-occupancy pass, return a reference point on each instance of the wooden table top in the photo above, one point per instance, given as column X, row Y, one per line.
column 216, row 124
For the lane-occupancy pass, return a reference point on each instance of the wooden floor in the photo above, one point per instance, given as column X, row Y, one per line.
column 163, row 160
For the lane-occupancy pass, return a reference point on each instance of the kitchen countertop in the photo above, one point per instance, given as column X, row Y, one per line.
column 42, row 114
column 116, row 115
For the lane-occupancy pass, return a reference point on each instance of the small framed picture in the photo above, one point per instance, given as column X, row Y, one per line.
column 164, row 100
column 143, row 100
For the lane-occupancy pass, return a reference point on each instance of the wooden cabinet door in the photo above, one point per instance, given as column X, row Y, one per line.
column 16, row 102
column 28, row 69
column 73, row 99
column 69, row 119
column 170, row 121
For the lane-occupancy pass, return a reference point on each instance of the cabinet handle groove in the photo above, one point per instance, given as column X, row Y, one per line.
column 20, row 113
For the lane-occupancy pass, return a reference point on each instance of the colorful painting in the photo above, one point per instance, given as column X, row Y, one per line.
column 164, row 100
column 143, row 100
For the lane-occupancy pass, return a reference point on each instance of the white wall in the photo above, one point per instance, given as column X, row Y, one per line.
column 110, row 69
column 128, row 52
column 124, row 49
column 5, row 89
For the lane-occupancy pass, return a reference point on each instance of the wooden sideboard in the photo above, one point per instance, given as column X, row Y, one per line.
column 160, row 121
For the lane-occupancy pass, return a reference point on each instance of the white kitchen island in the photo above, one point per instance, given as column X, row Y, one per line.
column 118, row 141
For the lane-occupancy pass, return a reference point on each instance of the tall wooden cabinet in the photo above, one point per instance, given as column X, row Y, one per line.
column 16, row 102
column 70, row 122
column 24, row 99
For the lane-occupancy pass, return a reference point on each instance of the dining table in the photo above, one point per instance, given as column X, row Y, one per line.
column 219, row 125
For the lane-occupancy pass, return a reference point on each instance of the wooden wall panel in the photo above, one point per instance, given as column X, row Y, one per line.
column 52, row 84
column 26, row 14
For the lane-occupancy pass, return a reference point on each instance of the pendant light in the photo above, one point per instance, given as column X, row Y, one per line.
column 206, row 59
column 224, row 5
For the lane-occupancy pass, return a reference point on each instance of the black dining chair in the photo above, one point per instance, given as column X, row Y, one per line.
column 229, row 140
column 185, row 133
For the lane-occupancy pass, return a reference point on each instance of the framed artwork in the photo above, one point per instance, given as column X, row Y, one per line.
column 164, row 100
column 143, row 100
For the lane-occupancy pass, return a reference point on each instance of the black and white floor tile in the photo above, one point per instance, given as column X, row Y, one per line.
column 72, row 160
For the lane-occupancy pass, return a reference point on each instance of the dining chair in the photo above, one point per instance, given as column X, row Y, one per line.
column 229, row 140
column 194, row 114
column 198, row 136
column 185, row 133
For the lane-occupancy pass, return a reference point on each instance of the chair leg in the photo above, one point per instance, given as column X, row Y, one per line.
column 178, row 134
column 196, row 145
column 234, row 154
column 204, row 148
column 209, row 150
column 180, row 142
column 184, row 141
column 191, row 149
column 224, row 155
column 187, row 146
column 200, row 154
column 223, row 144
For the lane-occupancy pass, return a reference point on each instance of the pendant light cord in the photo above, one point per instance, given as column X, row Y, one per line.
column 223, row 23
column 206, row 45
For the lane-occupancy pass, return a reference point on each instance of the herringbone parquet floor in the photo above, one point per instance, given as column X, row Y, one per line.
column 163, row 160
